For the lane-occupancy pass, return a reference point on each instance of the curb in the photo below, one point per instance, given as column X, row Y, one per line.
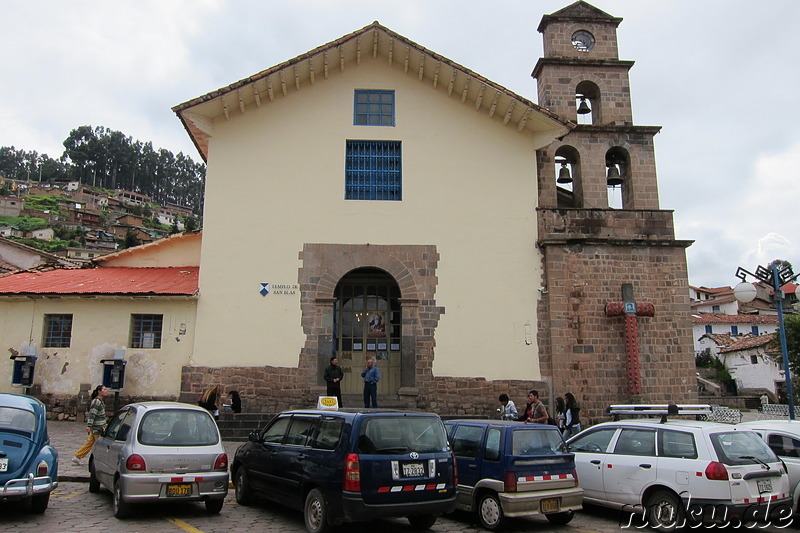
column 73, row 479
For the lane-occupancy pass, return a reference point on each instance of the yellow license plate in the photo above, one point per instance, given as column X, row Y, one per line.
column 184, row 489
column 550, row 505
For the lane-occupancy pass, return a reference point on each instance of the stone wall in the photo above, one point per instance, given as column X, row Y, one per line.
column 583, row 349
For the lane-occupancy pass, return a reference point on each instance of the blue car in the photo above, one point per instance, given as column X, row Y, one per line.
column 28, row 464
column 511, row 469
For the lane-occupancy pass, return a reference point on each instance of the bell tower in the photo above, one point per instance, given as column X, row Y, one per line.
column 600, row 227
column 610, row 162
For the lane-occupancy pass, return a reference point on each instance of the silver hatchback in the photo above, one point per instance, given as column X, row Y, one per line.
column 160, row 452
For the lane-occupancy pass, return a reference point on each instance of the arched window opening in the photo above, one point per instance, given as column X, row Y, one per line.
column 587, row 103
column 617, row 176
column 568, row 177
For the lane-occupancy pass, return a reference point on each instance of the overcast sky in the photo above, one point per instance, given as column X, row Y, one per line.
column 720, row 76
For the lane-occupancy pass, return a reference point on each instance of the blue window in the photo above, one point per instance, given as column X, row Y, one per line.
column 374, row 108
column 373, row 171
column 57, row 331
column 708, row 329
column 734, row 330
column 754, row 330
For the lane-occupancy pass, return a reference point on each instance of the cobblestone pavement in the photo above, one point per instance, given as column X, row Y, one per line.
column 73, row 509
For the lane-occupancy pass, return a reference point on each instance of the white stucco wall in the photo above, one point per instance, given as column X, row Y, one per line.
column 99, row 326
column 469, row 188
column 763, row 374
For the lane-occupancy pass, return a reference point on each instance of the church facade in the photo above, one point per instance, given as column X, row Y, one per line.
column 408, row 210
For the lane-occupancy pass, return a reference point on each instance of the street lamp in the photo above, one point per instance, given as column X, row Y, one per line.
column 746, row 292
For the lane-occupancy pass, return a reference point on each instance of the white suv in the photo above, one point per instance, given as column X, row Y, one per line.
column 679, row 471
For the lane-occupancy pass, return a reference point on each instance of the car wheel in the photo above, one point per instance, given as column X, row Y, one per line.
column 490, row 512
column 121, row 508
column 316, row 514
column 560, row 519
column 241, row 487
column 665, row 511
column 94, row 483
column 214, row 506
column 421, row 522
column 39, row 503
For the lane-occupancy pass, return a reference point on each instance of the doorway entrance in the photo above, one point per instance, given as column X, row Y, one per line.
column 367, row 323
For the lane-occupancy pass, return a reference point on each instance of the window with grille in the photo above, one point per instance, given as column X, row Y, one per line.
column 146, row 331
column 373, row 170
column 373, row 108
column 57, row 331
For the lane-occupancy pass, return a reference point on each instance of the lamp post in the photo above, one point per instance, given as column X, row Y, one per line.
column 746, row 292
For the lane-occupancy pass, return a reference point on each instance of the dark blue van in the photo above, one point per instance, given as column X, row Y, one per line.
column 350, row 465
column 512, row 469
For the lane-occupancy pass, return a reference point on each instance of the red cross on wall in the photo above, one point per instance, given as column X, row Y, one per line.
column 631, row 309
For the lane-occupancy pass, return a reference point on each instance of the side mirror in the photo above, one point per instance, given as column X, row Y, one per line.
column 254, row 437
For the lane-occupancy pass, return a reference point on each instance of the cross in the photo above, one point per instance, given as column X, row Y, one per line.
column 631, row 309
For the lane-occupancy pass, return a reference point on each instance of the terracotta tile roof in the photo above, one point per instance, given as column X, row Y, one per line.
column 111, row 280
column 717, row 318
column 747, row 342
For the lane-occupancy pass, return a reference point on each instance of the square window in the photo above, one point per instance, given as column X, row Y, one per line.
column 146, row 331
column 373, row 108
column 373, row 170
column 57, row 331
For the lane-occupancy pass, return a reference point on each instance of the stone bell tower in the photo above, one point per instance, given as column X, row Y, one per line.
column 600, row 227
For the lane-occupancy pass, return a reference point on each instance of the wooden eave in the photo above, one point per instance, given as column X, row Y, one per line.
column 371, row 42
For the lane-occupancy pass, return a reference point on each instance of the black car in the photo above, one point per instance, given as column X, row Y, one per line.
column 350, row 465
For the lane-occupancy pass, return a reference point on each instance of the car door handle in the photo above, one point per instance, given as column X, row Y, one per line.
column 645, row 465
column 300, row 456
column 595, row 461
column 472, row 467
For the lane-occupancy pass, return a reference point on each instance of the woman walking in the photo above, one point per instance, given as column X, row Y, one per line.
column 95, row 423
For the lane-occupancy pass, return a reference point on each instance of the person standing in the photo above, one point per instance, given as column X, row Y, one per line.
column 333, row 379
column 508, row 411
column 535, row 411
column 561, row 413
column 371, row 375
column 572, row 421
column 95, row 423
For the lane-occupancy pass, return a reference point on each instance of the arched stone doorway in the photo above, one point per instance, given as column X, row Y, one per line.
column 332, row 274
column 367, row 322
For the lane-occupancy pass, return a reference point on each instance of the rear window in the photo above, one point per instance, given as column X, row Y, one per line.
column 400, row 435
column 178, row 427
column 741, row 448
column 13, row 418
column 537, row 442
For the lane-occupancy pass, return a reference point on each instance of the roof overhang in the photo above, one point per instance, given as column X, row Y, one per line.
column 373, row 41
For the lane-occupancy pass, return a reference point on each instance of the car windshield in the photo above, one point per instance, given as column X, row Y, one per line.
column 178, row 427
column 18, row 419
column 741, row 447
column 537, row 442
column 401, row 435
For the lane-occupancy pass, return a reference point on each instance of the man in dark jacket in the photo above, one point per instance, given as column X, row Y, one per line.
column 333, row 378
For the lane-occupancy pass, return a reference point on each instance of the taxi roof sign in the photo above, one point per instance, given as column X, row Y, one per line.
column 662, row 410
column 330, row 403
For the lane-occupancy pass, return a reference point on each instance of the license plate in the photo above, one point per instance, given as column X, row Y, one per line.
column 550, row 505
column 764, row 485
column 3, row 464
column 413, row 470
column 184, row 489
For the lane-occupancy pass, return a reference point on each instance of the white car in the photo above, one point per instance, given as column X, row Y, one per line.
column 783, row 438
column 678, row 471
